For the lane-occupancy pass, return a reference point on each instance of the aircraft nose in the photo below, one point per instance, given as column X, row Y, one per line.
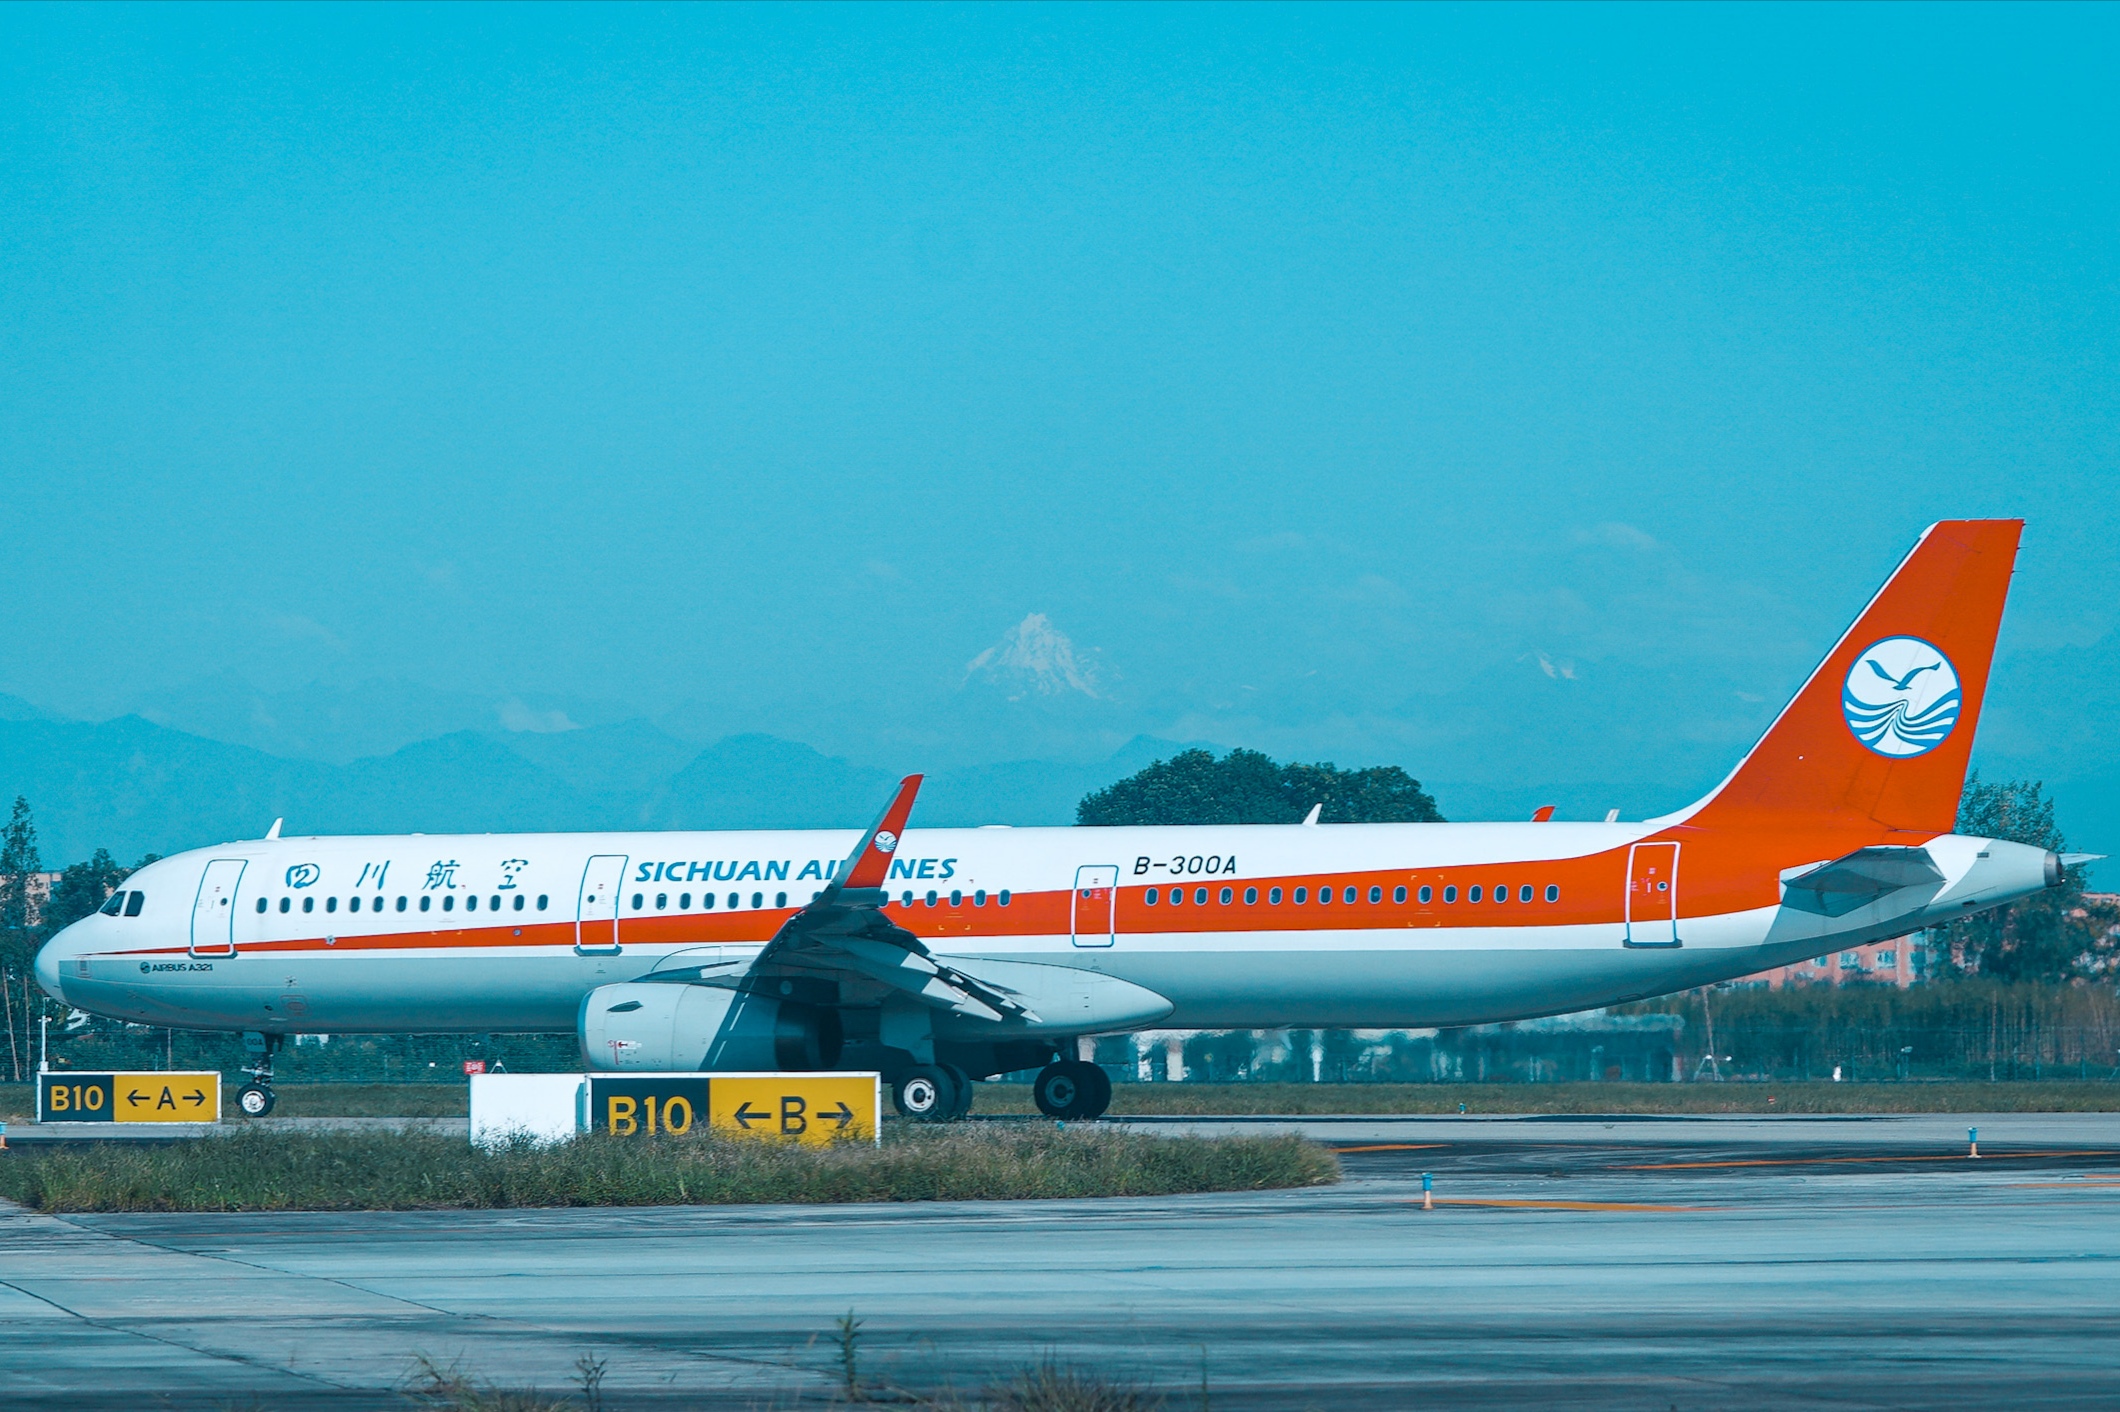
column 48, row 966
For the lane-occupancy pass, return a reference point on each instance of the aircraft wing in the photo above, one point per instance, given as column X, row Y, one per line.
column 844, row 933
column 1836, row 888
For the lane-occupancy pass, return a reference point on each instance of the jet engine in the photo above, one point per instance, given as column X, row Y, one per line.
column 663, row 1026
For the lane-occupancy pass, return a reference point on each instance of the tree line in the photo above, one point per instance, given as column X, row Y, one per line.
column 31, row 913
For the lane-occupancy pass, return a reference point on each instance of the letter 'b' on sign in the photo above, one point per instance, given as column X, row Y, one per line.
column 808, row 1108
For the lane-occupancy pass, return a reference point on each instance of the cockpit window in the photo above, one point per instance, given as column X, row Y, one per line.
column 110, row 908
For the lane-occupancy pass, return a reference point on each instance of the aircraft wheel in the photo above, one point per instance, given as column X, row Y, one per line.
column 926, row 1093
column 1060, row 1090
column 255, row 1100
column 965, row 1092
column 1096, row 1090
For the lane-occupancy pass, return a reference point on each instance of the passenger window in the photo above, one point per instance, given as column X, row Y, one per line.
column 1199, row 897
column 979, row 898
column 1227, row 894
column 518, row 902
column 401, row 902
column 449, row 901
column 1003, row 897
column 1376, row 894
column 1523, row 894
column 541, row 897
column 493, row 904
column 758, row 900
column 906, row 901
column 637, row 901
column 1472, row 894
column 1427, row 895
column 471, row 903
column 662, row 901
column 956, row 899
column 684, row 901
column 1348, row 896
column 426, row 902
column 353, row 904
column 1177, row 897
column 331, row 904
column 1553, row 894
column 1302, row 896
column 1273, row 896
column 1501, row 894
column 736, row 900
column 1324, row 897
column 1251, row 896
column 929, row 899
column 112, row 905
column 1450, row 894
column 1398, row 894
column 780, row 899
column 309, row 904
column 706, row 900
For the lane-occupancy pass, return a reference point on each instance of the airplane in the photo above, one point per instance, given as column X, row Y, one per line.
column 940, row 956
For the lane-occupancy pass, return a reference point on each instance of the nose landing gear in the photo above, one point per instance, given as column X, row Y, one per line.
column 255, row 1099
column 1071, row 1088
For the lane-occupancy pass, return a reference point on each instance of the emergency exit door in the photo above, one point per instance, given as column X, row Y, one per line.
column 596, row 909
column 1652, row 895
column 1096, row 904
column 213, row 914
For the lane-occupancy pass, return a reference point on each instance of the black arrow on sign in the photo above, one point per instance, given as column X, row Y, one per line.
column 198, row 1097
column 136, row 1097
column 745, row 1117
column 843, row 1116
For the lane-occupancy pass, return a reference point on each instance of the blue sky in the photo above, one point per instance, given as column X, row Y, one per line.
column 1525, row 396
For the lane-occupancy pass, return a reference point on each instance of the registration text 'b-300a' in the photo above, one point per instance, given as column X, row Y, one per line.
column 941, row 955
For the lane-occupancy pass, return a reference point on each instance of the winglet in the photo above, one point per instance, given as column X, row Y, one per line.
column 1543, row 814
column 869, row 865
column 274, row 831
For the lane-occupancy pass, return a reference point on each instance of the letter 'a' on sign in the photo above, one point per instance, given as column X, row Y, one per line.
column 66, row 1097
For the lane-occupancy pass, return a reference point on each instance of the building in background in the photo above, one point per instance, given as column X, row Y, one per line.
column 1902, row 961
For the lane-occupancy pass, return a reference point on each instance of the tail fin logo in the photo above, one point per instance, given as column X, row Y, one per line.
column 1902, row 697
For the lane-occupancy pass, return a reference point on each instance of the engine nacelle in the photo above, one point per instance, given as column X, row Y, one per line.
column 658, row 1026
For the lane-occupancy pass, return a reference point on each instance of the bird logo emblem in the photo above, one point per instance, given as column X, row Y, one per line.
column 1902, row 697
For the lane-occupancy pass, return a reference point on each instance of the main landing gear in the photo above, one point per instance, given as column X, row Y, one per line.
column 933, row 1093
column 255, row 1098
column 1071, row 1088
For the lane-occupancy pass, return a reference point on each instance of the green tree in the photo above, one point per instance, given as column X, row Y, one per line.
column 2052, row 935
column 19, row 867
column 80, row 890
column 1246, row 787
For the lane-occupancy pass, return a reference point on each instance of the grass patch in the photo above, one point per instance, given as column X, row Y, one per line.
column 1199, row 1099
column 255, row 1169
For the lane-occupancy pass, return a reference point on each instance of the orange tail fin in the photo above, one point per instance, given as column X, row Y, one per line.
column 1881, row 732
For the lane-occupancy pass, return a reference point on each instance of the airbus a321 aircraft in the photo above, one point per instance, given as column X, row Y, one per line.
column 937, row 955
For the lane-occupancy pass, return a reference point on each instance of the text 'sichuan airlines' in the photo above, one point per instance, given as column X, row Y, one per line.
column 937, row 955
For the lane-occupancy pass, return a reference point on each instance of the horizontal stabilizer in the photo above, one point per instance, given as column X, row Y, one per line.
column 1837, row 888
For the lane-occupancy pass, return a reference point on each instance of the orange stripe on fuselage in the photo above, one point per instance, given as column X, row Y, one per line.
column 1718, row 873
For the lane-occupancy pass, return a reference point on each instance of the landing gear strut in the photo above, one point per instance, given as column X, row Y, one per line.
column 255, row 1098
column 1071, row 1088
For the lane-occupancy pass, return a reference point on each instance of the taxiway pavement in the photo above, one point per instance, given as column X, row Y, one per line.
column 1687, row 1269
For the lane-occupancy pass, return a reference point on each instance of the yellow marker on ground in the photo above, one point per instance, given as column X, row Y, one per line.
column 809, row 1108
column 64, row 1096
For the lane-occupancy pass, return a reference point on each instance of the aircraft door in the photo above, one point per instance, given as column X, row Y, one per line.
column 596, row 909
column 213, row 913
column 1094, row 913
column 1652, row 895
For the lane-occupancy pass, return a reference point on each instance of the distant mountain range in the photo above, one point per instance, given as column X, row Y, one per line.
column 134, row 787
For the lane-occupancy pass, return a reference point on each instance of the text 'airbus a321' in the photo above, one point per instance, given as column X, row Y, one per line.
column 941, row 955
